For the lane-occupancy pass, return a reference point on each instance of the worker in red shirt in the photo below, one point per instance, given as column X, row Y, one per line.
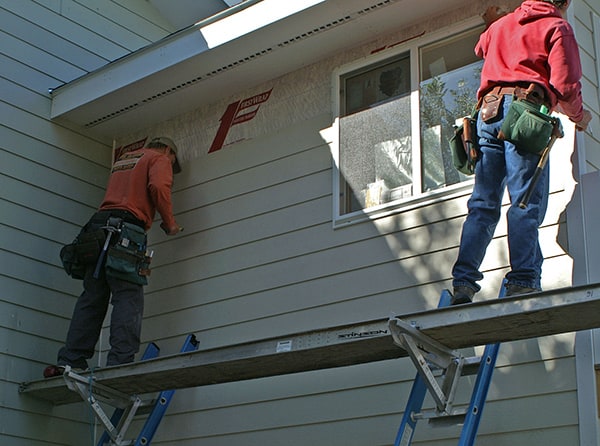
column 529, row 53
column 117, row 260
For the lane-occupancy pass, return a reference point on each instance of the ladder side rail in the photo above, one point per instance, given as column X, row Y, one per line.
column 417, row 396
column 482, row 385
column 408, row 425
column 162, row 403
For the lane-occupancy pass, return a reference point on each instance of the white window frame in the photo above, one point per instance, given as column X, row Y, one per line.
column 407, row 204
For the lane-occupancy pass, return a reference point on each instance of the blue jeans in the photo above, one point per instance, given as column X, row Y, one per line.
column 91, row 307
column 500, row 166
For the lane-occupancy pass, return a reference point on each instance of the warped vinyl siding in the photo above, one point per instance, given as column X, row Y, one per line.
column 52, row 177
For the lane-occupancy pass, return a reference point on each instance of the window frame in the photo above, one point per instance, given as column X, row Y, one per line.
column 412, row 48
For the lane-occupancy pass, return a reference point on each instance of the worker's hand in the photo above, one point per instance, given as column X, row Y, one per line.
column 171, row 230
column 583, row 124
column 493, row 13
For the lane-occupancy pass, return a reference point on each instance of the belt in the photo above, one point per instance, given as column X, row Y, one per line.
column 126, row 216
column 533, row 93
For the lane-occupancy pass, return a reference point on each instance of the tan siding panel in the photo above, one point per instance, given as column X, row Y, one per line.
column 44, row 40
column 44, row 300
column 71, row 163
column 72, row 32
column 52, row 177
column 52, row 134
column 47, row 202
column 48, row 63
column 136, row 16
column 20, row 75
column 91, row 17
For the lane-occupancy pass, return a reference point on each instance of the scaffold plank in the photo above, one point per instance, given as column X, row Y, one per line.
column 497, row 320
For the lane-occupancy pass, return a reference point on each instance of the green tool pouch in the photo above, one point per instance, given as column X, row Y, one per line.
column 464, row 145
column 84, row 251
column 127, row 259
column 527, row 127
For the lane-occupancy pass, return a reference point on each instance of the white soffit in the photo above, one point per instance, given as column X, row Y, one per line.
column 241, row 47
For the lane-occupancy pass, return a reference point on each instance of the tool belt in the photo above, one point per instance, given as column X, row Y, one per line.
column 527, row 123
column 101, row 217
column 492, row 100
column 126, row 258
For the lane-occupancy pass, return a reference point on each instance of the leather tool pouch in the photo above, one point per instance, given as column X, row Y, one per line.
column 490, row 104
column 527, row 127
column 127, row 259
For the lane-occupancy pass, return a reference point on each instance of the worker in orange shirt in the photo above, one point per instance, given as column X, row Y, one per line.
column 112, row 248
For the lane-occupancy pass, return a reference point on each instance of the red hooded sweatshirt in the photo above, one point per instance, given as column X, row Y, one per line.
column 534, row 44
column 140, row 183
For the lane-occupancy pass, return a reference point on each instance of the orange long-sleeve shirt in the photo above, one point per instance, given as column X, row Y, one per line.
column 141, row 183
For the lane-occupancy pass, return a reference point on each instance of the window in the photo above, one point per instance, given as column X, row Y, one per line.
column 393, row 143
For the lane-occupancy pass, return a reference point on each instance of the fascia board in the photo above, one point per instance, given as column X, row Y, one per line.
column 127, row 71
column 173, row 50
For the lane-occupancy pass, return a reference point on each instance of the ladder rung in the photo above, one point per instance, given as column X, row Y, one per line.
column 447, row 420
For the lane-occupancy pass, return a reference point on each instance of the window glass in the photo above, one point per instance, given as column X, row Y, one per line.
column 450, row 74
column 375, row 139
column 381, row 161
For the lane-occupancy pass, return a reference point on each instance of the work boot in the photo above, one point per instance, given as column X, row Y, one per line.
column 513, row 289
column 462, row 295
column 58, row 370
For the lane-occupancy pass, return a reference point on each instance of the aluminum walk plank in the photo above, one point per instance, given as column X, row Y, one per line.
column 497, row 320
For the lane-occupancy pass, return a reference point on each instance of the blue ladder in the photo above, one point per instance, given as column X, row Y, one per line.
column 453, row 366
column 162, row 403
column 159, row 406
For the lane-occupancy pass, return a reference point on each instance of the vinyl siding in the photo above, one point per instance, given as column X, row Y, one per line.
column 259, row 257
column 331, row 278
column 587, row 29
column 51, row 177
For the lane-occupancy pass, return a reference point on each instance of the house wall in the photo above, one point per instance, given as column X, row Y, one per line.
column 52, row 177
column 585, row 17
column 582, row 214
column 259, row 257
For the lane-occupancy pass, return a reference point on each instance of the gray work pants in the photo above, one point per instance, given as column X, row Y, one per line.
column 91, row 307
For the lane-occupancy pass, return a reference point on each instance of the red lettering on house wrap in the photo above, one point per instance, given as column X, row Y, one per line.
column 237, row 113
